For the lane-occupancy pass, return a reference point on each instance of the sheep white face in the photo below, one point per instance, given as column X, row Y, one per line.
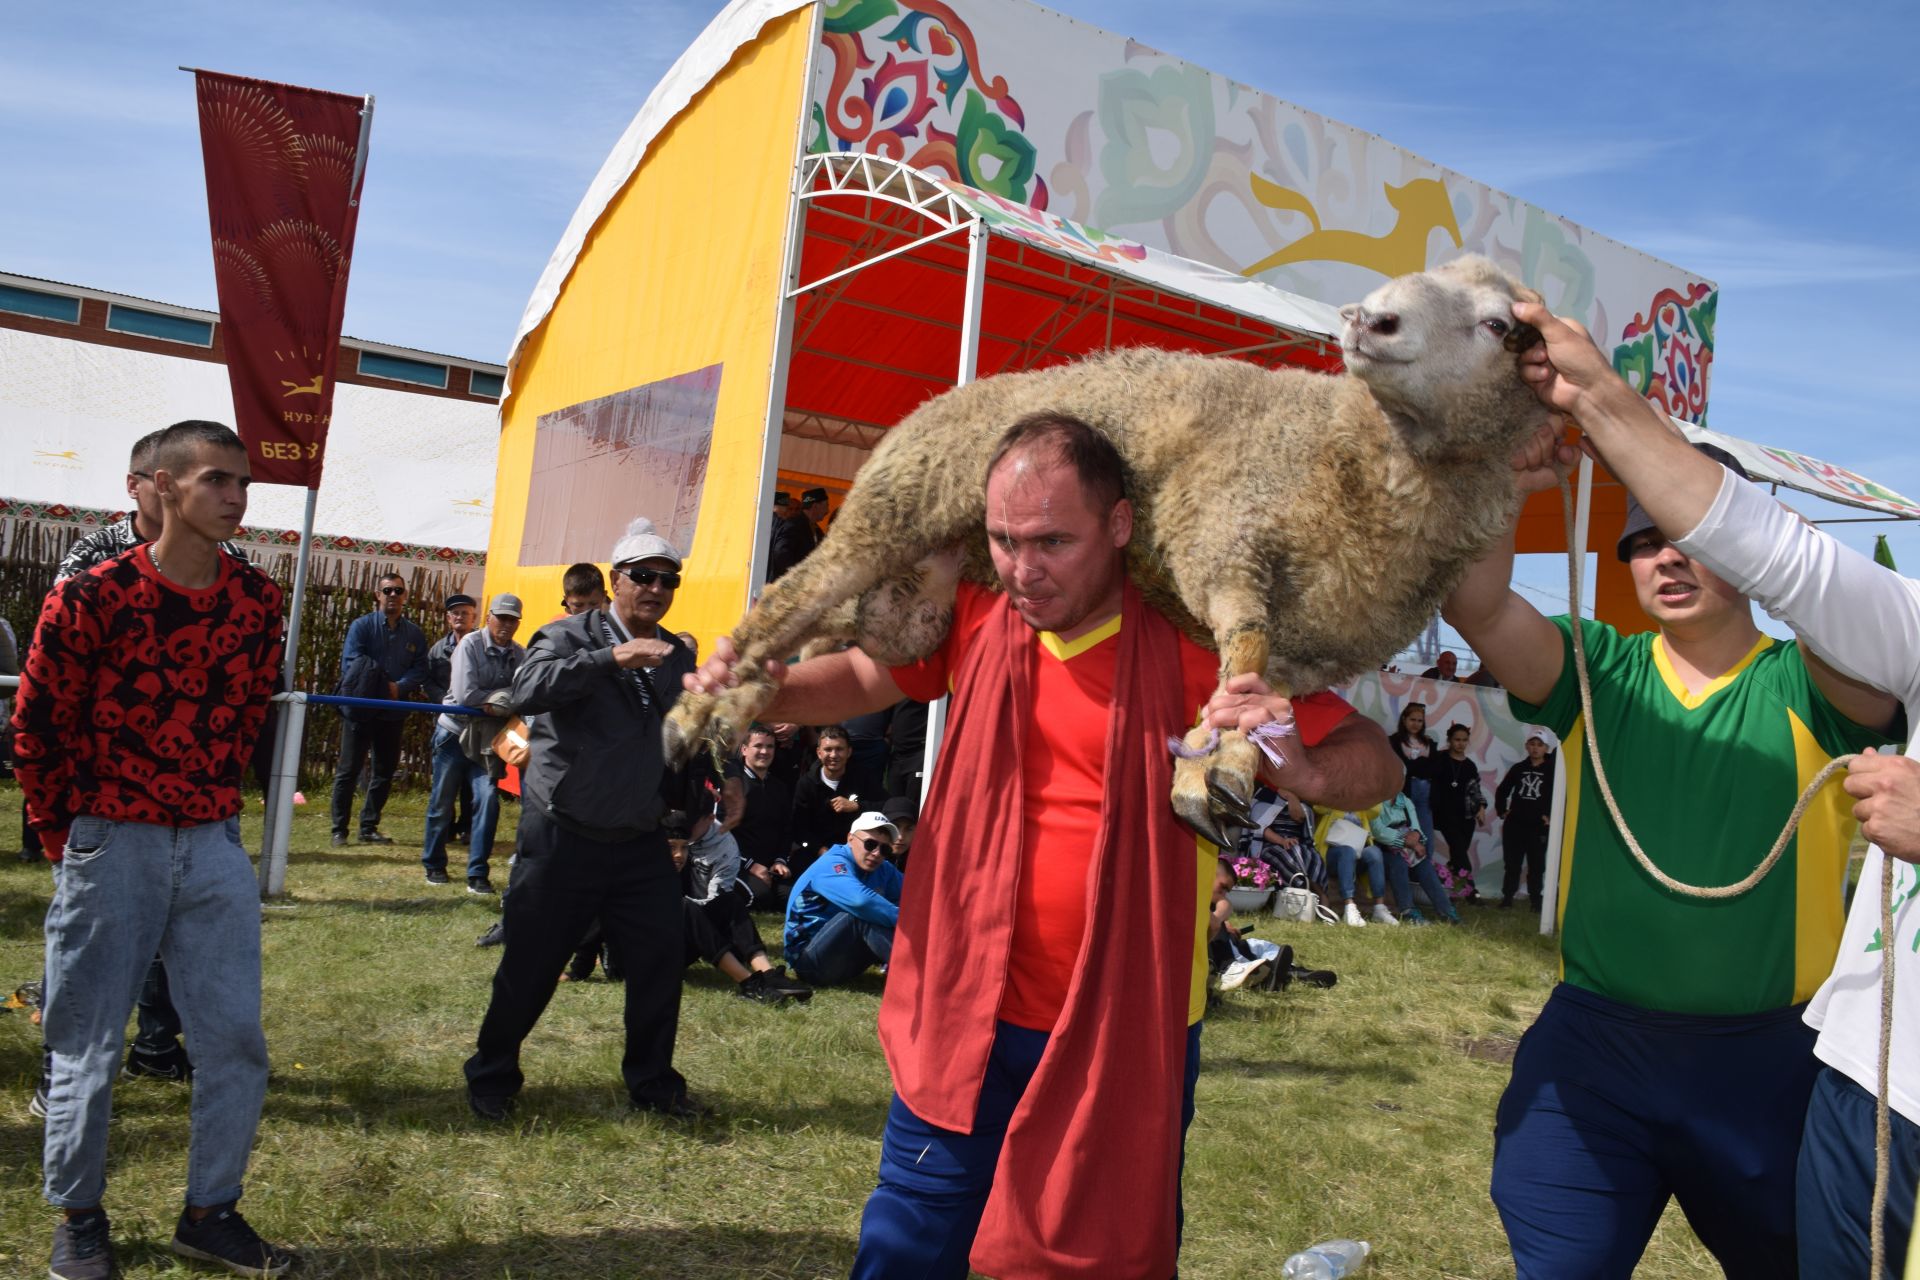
column 1436, row 349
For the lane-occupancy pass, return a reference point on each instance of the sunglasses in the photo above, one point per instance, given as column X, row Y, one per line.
column 393, row 591
column 647, row 577
column 871, row 845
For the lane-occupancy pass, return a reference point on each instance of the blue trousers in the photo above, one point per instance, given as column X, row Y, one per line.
column 453, row 772
column 1835, row 1183
column 1343, row 859
column 920, row 1221
column 841, row 950
column 1397, row 873
column 126, row 891
column 1613, row 1110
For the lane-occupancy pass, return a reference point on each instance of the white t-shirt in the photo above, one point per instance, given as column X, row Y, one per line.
column 1864, row 620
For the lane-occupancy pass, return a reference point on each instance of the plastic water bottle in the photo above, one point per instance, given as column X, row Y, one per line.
column 1327, row 1261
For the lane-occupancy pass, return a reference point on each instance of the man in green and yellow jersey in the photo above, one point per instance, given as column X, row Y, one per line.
column 1671, row 1061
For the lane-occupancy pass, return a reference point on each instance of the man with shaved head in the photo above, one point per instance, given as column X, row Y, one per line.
column 138, row 711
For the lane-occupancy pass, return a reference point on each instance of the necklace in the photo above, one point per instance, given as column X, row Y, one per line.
column 153, row 554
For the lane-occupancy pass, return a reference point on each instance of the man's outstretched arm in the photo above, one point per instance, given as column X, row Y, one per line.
column 823, row 690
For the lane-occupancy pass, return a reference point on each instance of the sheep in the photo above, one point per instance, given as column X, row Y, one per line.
column 1302, row 525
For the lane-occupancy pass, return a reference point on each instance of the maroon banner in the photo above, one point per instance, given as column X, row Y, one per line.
column 284, row 167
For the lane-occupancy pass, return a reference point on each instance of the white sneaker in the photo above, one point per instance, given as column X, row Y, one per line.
column 1352, row 916
column 1381, row 915
column 1241, row 972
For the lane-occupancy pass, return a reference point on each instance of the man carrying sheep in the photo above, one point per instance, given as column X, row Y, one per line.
column 1013, row 1031
column 1671, row 1061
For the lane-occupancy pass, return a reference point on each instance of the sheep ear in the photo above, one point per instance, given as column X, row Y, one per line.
column 1350, row 312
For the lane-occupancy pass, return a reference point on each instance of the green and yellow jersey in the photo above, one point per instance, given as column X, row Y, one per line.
column 1705, row 781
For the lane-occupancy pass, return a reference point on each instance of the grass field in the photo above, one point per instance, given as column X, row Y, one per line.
column 1366, row 1110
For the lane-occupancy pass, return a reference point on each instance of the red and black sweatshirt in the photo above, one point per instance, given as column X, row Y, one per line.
column 141, row 699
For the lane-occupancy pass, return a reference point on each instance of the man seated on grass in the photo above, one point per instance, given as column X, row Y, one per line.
column 841, row 914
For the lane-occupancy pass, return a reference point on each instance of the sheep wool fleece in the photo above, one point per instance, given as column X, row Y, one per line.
column 143, row 698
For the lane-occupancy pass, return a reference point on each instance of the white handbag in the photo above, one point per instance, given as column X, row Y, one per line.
column 1300, row 904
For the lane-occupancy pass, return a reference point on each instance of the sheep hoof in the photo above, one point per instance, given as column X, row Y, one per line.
column 1231, row 771
column 685, row 726
column 1193, row 801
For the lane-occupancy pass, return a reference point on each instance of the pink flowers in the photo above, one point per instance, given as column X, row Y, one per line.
column 1250, row 872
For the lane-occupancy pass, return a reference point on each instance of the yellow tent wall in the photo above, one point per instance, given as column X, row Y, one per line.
column 682, row 271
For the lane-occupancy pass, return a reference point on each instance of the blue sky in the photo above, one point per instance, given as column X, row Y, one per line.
column 1770, row 147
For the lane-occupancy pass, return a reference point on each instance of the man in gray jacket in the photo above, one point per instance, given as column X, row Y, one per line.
column 597, row 685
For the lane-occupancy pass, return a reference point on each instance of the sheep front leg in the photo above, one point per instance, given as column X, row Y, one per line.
column 1213, row 778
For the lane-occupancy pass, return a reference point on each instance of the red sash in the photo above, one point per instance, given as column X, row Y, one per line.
column 1088, row 1179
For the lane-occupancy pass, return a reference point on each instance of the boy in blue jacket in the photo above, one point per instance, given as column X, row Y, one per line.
column 842, row 910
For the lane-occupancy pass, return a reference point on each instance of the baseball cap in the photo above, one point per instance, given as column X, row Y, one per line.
column 1638, row 521
column 871, row 821
column 781, row 498
column 900, row 809
column 505, row 606
column 813, row 495
column 642, row 542
column 457, row 599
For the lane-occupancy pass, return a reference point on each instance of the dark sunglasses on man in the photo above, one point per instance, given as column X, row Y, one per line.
column 393, row 591
column 870, row 844
column 647, row 577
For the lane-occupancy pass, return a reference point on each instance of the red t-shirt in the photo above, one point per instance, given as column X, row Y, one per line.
column 1065, row 758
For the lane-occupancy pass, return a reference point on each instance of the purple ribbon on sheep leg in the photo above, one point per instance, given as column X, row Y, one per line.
column 1266, row 736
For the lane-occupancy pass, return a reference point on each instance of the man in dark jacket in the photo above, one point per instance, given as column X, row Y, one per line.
column 1524, row 801
column 765, row 830
column 596, row 687
column 463, row 612
column 385, row 657
column 793, row 537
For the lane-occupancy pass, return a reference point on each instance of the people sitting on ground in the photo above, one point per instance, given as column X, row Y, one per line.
column 1443, row 668
column 1417, row 749
column 720, row 928
column 1524, row 801
column 1344, row 837
column 904, row 813
column 1233, row 960
column 841, row 916
column 1458, row 803
column 765, row 831
column 1282, row 837
column 1395, row 829
column 826, row 800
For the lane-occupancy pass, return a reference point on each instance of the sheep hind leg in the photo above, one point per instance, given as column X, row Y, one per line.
column 1213, row 780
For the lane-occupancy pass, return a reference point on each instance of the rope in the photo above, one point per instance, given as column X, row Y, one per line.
column 1882, row 1135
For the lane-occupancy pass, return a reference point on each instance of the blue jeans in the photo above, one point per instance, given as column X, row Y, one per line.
column 920, row 1221
column 125, row 891
column 841, row 950
column 1420, row 791
column 451, row 770
column 1397, row 872
column 1344, row 861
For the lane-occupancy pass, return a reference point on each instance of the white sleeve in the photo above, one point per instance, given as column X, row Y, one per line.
column 1861, row 617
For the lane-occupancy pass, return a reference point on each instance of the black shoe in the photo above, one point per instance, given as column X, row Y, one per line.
column 497, row 1110
column 1322, row 978
column 375, row 837
column 339, row 839
column 1280, row 972
column 759, row 987
column 685, row 1108
column 82, row 1249
column 1506, row 903
column 495, row 935
column 173, row 1067
column 225, row 1238
column 795, row 989
column 436, row 876
column 31, row 856
column 480, row 885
